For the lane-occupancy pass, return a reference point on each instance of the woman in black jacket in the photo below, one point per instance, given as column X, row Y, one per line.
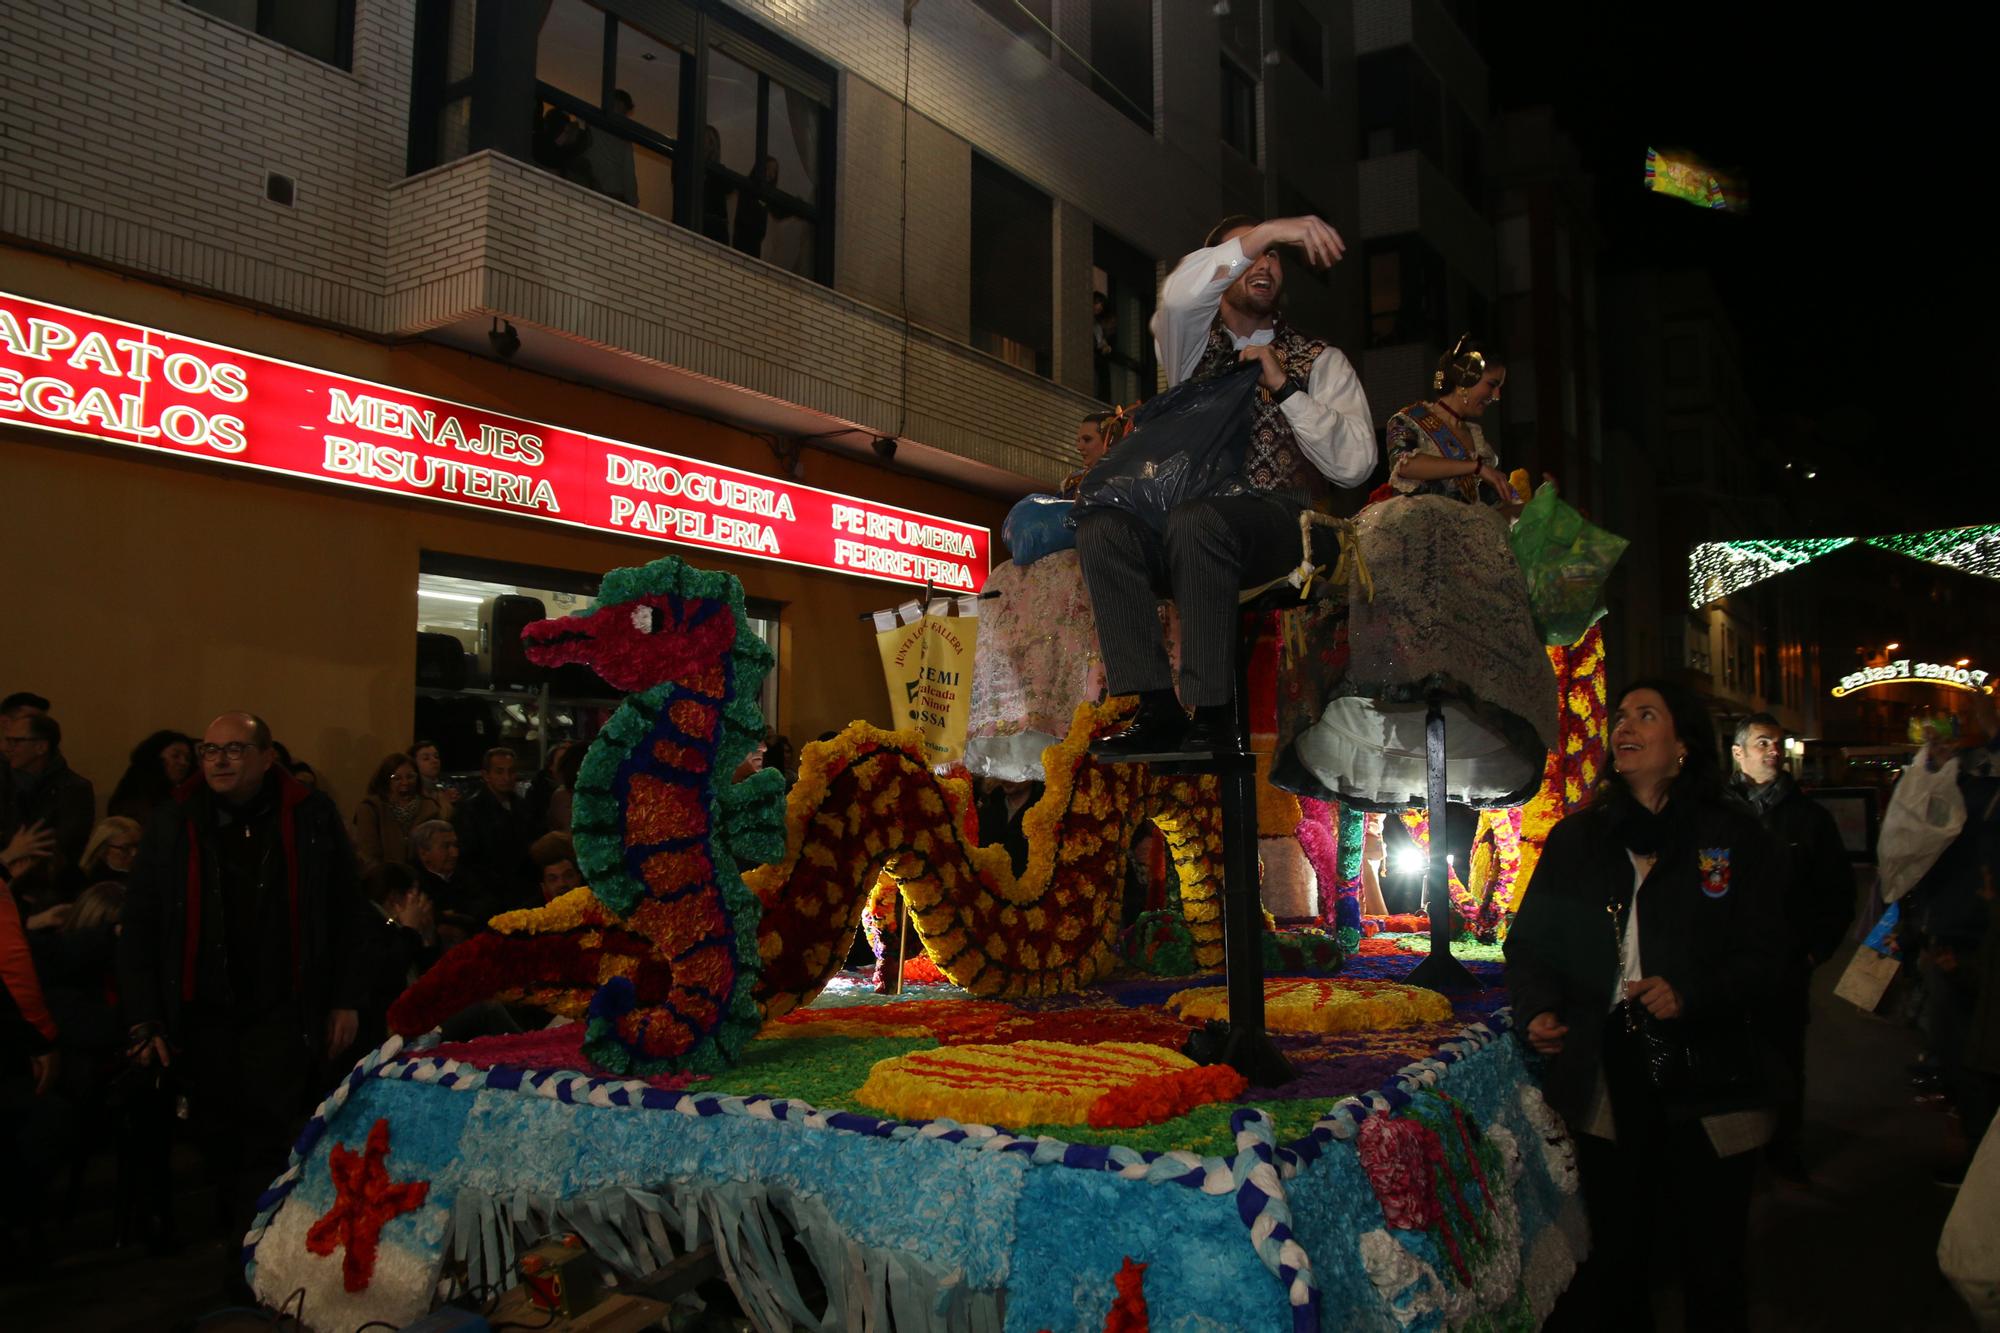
column 1642, row 967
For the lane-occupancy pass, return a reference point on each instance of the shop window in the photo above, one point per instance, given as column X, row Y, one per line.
column 1013, row 264
column 1026, row 19
column 1121, row 57
column 476, row 689
column 1302, row 39
column 1122, row 290
column 322, row 29
column 743, row 156
column 1239, row 109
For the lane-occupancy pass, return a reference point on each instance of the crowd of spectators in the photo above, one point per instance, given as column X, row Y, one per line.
column 203, row 961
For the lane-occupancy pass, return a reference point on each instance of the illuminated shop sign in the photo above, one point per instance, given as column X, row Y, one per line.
column 1903, row 672
column 77, row 374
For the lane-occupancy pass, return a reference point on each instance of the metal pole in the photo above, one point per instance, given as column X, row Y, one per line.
column 1248, row 1049
column 1440, row 971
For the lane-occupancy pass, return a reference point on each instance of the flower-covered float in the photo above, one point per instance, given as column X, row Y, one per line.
column 1020, row 1143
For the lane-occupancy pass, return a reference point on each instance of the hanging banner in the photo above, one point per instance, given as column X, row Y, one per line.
column 927, row 664
column 73, row 373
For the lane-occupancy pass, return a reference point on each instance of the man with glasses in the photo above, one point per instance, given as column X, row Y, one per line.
column 1819, row 906
column 42, row 787
column 242, row 961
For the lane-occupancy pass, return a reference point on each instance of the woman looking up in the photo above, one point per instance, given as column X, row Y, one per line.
column 1642, row 965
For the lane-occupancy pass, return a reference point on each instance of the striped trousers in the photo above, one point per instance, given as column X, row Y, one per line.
column 1211, row 550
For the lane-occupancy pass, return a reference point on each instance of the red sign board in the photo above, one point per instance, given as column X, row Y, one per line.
column 62, row 370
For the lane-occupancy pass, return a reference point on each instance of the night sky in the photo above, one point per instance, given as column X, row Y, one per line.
column 1862, row 279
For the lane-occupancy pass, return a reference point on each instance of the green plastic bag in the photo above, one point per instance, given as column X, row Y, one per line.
column 1567, row 559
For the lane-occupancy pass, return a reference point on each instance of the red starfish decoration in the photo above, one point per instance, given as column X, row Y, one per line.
column 364, row 1201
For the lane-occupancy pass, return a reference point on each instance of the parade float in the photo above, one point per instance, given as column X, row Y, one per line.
column 1016, row 1141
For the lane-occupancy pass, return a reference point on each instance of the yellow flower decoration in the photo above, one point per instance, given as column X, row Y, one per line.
column 1023, row 1083
column 1046, row 930
column 1324, row 1004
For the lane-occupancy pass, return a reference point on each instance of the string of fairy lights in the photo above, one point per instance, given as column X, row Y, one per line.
column 1718, row 569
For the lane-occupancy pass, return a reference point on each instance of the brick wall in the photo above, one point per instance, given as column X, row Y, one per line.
column 868, row 222
column 548, row 253
column 138, row 133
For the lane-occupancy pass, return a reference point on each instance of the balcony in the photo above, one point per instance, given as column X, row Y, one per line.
column 604, row 292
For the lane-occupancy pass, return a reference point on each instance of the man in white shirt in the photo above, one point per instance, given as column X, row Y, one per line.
column 1311, row 431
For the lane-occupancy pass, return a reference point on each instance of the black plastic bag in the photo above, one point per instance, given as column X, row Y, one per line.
column 1186, row 444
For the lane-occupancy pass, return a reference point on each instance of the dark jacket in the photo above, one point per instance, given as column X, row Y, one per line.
column 1818, row 876
column 62, row 798
column 398, row 957
column 493, row 850
column 309, row 922
column 996, row 825
column 1721, row 952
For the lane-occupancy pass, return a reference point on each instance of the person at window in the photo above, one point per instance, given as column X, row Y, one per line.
column 1103, row 341
column 43, row 788
column 559, row 144
column 1311, row 431
column 1437, row 448
column 430, row 768
column 160, row 763
column 753, row 214
column 241, row 963
column 1818, row 901
column 393, row 805
column 493, row 837
column 716, row 186
column 609, row 158
column 1643, row 966
column 1095, row 435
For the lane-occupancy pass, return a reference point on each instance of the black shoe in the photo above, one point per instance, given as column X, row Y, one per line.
column 1927, row 1081
column 1212, row 738
column 1156, row 730
column 1950, row 1177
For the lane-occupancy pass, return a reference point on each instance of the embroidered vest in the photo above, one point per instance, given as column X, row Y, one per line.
column 1274, row 461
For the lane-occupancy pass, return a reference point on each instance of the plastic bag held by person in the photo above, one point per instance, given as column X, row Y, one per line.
column 1926, row 814
column 1036, row 526
column 1567, row 560
column 1186, row 444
